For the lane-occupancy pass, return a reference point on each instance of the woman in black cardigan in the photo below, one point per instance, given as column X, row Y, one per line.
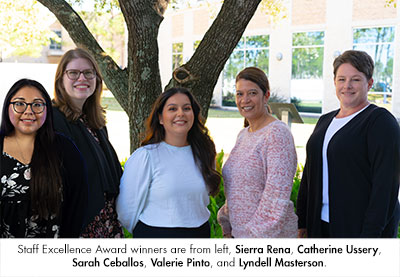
column 79, row 115
column 350, row 182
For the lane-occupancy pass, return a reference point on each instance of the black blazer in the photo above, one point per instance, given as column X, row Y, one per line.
column 364, row 176
column 103, row 166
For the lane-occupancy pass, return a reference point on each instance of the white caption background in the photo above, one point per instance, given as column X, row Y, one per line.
column 200, row 257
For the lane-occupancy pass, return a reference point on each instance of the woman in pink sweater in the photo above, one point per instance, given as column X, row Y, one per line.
column 258, row 174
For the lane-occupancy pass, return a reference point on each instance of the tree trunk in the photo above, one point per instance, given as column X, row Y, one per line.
column 200, row 74
column 137, row 86
column 143, row 20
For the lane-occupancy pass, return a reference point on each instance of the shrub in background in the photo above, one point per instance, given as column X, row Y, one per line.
column 217, row 201
column 296, row 185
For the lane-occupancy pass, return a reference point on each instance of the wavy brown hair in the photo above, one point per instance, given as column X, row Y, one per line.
column 92, row 109
column 45, row 183
column 203, row 147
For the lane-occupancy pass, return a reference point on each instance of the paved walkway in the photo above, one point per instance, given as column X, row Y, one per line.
column 223, row 130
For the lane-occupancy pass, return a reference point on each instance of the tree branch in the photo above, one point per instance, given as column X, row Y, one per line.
column 220, row 40
column 114, row 77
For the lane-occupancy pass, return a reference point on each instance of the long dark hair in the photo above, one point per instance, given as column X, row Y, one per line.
column 45, row 183
column 92, row 109
column 203, row 147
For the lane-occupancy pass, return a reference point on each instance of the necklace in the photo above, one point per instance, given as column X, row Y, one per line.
column 24, row 160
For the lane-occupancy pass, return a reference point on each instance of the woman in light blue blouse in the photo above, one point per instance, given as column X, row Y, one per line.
column 166, row 184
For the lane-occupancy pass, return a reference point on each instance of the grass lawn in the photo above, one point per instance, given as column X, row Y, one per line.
column 309, row 120
column 220, row 113
column 111, row 104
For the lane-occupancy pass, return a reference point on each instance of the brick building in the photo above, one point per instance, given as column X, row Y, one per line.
column 297, row 52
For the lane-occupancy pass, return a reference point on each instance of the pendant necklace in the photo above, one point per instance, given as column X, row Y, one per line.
column 24, row 160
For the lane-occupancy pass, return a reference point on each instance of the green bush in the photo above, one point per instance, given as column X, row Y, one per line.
column 229, row 100
column 275, row 98
column 306, row 107
column 296, row 186
column 217, row 201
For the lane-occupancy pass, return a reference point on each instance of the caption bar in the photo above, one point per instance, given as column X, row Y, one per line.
column 228, row 257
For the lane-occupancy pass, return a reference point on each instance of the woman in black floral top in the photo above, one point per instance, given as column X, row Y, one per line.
column 43, row 183
column 79, row 115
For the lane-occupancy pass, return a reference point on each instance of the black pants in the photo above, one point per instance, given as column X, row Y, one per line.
column 145, row 231
column 325, row 229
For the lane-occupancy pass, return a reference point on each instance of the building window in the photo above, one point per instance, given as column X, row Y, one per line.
column 55, row 45
column 379, row 44
column 308, row 55
column 307, row 66
column 177, row 55
column 250, row 51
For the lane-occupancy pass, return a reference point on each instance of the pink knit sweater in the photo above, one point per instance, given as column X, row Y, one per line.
column 258, row 178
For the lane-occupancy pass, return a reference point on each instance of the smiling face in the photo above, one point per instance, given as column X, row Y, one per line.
column 250, row 100
column 351, row 88
column 177, row 118
column 27, row 123
column 79, row 90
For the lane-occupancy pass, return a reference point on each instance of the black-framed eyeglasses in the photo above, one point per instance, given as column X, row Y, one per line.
column 21, row 106
column 73, row 74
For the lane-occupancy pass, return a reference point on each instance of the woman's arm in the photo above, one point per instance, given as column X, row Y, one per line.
column 301, row 209
column 275, row 207
column 75, row 190
column 384, row 157
column 134, row 188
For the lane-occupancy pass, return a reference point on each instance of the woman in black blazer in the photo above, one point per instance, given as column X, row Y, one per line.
column 350, row 182
column 79, row 115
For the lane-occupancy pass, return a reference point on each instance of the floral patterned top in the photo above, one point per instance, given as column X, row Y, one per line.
column 17, row 220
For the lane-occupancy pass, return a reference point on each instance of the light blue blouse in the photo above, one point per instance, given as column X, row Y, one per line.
column 162, row 187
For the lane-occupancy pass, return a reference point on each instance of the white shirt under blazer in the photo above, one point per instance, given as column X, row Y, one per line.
column 162, row 187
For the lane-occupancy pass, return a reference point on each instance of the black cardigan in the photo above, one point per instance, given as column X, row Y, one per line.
column 74, row 184
column 104, row 169
column 364, row 172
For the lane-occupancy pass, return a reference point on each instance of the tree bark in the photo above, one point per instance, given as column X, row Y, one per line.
column 137, row 86
column 200, row 74
column 143, row 20
column 115, row 78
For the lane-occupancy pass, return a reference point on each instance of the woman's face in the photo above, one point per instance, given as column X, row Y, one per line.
column 351, row 87
column 82, row 87
column 177, row 117
column 250, row 99
column 29, row 121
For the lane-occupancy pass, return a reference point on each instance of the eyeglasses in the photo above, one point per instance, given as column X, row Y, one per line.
column 21, row 106
column 74, row 74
